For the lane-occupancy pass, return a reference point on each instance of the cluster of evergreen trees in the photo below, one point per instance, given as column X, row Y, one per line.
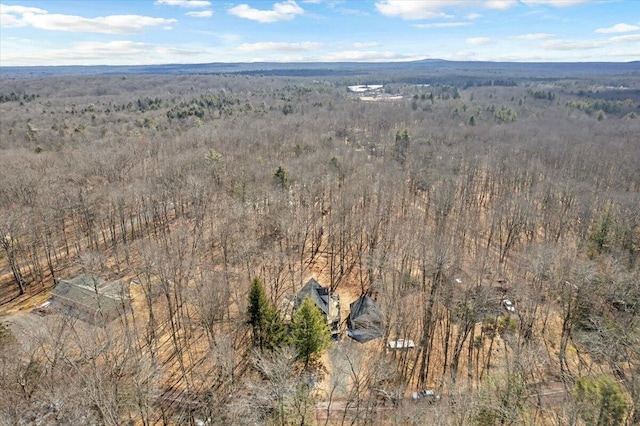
column 308, row 332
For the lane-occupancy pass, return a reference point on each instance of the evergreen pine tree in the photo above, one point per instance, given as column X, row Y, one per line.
column 275, row 332
column 310, row 333
column 257, row 312
column 601, row 401
column 265, row 320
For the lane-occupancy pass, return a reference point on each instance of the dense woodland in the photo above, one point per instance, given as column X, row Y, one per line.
column 466, row 191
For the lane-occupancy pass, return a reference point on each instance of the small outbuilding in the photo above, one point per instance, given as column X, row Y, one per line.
column 365, row 320
column 401, row 344
column 91, row 299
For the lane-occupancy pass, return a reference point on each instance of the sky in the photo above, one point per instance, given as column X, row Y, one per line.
column 143, row 32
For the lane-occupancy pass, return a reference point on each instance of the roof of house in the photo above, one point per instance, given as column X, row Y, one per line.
column 91, row 291
column 317, row 293
column 364, row 87
column 365, row 320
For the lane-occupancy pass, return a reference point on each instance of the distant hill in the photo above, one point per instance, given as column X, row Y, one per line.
column 312, row 69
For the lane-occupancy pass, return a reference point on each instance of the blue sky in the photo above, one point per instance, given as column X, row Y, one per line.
column 127, row 32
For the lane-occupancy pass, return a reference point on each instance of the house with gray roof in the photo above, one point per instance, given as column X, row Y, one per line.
column 327, row 302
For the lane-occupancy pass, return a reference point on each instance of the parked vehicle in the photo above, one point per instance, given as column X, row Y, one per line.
column 429, row 395
column 508, row 305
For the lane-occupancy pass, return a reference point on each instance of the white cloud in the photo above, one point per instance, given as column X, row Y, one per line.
column 365, row 45
column 556, row 3
column 619, row 28
column 81, row 53
column 114, row 24
column 279, row 46
column 10, row 15
column 346, row 11
column 473, row 16
column 443, row 25
column 611, row 42
column 535, row 36
column 120, row 52
column 11, row 12
column 166, row 50
column 19, row 16
column 19, row 10
column 98, row 49
column 285, row 11
column 432, row 9
column 364, row 56
column 625, row 38
column 201, row 14
column 479, row 41
column 572, row 44
column 8, row 21
column 630, row 54
column 500, row 4
column 229, row 38
column 191, row 4
column 415, row 9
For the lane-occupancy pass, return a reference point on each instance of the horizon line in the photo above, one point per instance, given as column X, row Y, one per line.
column 322, row 62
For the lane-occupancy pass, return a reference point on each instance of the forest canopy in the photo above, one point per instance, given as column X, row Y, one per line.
column 442, row 195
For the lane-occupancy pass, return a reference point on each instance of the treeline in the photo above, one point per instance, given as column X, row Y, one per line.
column 17, row 97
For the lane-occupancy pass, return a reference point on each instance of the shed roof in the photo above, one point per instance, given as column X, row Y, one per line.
column 365, row 320
column 91, row 291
